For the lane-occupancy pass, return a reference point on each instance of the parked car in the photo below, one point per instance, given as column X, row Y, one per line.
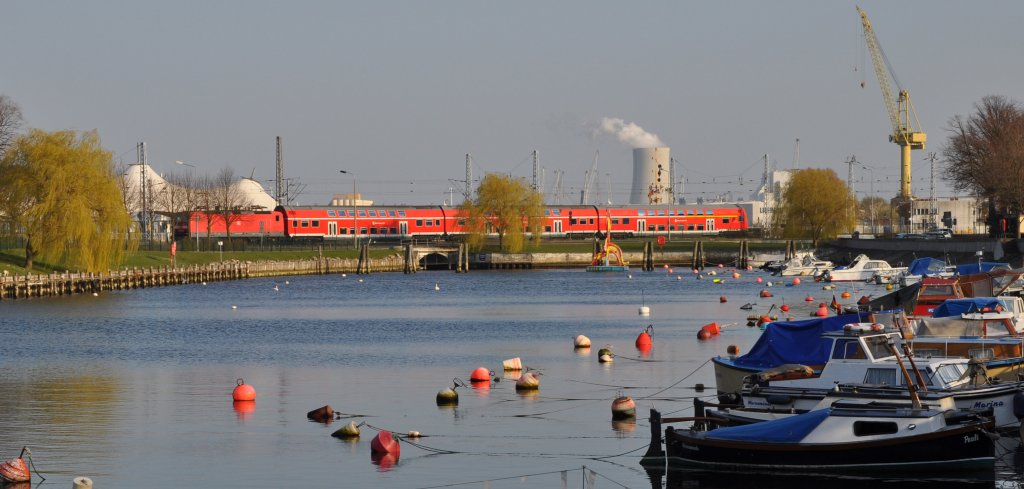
column 939, row 234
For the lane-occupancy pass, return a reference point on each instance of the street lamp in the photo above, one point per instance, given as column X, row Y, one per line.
column 355, row 226
column 220, row 244
column 184, row 164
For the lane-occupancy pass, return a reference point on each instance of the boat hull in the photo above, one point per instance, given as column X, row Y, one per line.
column 955, row 448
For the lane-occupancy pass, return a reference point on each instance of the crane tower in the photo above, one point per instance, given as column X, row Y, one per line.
column 899, row 108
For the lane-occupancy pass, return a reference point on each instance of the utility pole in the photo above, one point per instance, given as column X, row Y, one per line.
column 536, row 171
column 280, row 187
column 143, row 191
column 467, row 195
column 849, row 184
column 932, row 208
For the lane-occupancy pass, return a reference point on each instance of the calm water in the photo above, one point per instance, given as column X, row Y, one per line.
column 133, row 388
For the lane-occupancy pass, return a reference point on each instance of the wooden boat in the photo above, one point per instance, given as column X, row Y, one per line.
column 841, row 438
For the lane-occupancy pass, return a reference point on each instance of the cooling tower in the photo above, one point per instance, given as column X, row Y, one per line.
column 650, row 176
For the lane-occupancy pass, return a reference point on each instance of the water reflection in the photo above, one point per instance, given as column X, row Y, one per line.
column 583, row 352
column 384, row 461
column 624, row 426
column 700, row 479
column 244, row 409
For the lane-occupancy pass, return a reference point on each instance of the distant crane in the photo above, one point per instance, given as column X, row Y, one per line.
column 899, row 108
column 588, row 181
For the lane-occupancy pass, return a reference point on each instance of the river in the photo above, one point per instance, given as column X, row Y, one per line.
column 133, row 388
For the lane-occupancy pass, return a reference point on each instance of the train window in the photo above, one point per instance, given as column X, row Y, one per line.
column 615, row 220
column 547, row 229
column 391, row 213
column 711, row 212
column 315, row 224
column 625, row 220
column 401, row 213
column 590, row 221
column 362, row 230
column 462, row 222
column 741, row 217
column 572, row 221
column 428, row 223
column 393, row 230
column 351, row 230
column 671, row 212
column 437, row 222
column 372, row 213
column 725, row 220
column 661, row 212
column 661, row 227
column 639, row 212
column 419, row 222
column 650, row 227
column 277, row 218
column 547, row 212
column 373, row 230
column 689, row 227
column 672, row 227
column 362, row 213
column 330, row 213
column 305, row 224
column 700, row 227
column 556, row 212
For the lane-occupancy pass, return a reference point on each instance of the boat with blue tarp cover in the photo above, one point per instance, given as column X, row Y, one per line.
column 840, row 438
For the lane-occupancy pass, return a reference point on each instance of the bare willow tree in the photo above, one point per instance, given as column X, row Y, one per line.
column 61, row 191
column 230, row 199
column 985, row 156
column 10, row 122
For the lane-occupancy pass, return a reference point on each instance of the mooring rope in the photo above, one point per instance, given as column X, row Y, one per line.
column 564, row 472
column 678, row 381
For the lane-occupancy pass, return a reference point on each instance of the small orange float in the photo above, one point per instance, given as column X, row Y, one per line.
column 243, row 391
column 15, row 469
column 481, row 374
column 643, row 340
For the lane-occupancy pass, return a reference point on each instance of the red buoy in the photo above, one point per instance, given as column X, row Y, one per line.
column 765, row 293
column 845, row 295
column 481, row 374
column 822, row 310
column 733, row 350
column 784, row 308
column 243, row 392
column 15, row 469
column 796, row 280
column 809, row 299
column 759, row 280
column 643, row 340
column 703, row 335
column 386, row 442
column 723, row 300
column 735, row 274
column 764, row 320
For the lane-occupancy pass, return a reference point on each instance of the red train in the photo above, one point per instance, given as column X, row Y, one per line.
column 405, row 222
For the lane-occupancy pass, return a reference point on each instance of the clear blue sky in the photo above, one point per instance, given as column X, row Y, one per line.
column 399, row 92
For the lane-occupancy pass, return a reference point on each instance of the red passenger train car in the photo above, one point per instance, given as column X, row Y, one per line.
column 405, row 222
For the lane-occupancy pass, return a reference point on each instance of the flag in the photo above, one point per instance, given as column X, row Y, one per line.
column 836, row 305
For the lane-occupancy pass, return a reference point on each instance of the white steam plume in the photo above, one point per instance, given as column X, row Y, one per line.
column 631, row 134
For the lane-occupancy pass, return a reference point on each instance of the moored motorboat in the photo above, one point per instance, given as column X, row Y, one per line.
column 837, row 438
column 861, row 270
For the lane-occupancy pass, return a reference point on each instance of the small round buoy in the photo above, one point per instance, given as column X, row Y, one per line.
column 845, row 295
column 606, row 358
column 351, row 430
column 678, row 277
column 81, row 483
column 670, row 271
column 385, row 442
column 784, row 308
column 722, row 299
column 764, row 320
column 888, row 286
column 581, row 342
column 768, row 284
column 629, row 276
column 765, row 293
column 703, row 335
column 321, row 414
column 204, row 283
column 796, row 280
column 605, row 355
column 644, row 311
column 623, row 407
column 413, row 434
column 695, row 271
column 735, row 274
column 750, row 267
column 344, row 275
column 360, row 280
column 809, row 299
column 759, row 280
column 447, row 397
column 822, row 311
column 665, row 266
column 234, row 306
column 528, row 381
column 481, row 374
column 643, row 340
column 243, row 391
column 732, row 350
column 721, row 265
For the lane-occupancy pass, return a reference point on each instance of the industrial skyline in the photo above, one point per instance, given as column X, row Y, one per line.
column 397, row 93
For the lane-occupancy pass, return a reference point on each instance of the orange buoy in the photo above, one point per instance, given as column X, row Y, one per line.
column 15, row 469
column 703, row 335
column 845, row 295
column 721, row 265
column 765, row 293
column 723, row 300
column 733, row 350
column 750, row 267
column 735, row 274
column 712, row 328
column 623, row 407
column 784, row 308
column 481, row 374
column 759, row 280
column 764, row 320
column 822, row 310
column 243, row 391
column 796, row 280
column 386, row 442
column 809, row 299
column 643, row 340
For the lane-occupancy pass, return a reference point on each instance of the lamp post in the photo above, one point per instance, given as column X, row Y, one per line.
column 871, row 175
column 220, row 244
column 355, row 226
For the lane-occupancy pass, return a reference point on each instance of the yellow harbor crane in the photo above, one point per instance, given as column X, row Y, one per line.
column 899, row 108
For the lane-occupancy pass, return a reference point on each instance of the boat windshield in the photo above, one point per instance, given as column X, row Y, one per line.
column 950, row 372
column 878, row 346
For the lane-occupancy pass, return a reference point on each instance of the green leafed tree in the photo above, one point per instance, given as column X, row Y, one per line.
column 60, row 190
column 508, row 207
column 816, row 205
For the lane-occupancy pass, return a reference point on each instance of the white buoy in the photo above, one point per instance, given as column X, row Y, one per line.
column 437, row 286
column 343, row 275
column 95, row 294
column 81, row 483
column 286, row 282
column 581, row 341
column 276, row 289
column 360, row 280
column 234, row 306
column 645, row 311
column 204, row 283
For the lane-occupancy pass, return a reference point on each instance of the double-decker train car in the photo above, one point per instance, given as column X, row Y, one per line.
column 406, row 222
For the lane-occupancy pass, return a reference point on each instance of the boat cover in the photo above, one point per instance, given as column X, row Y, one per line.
column 985, row 266
column 794, row 342
column 903, row 298
column 790, row 429
column 948, row 327
column 926, row 266
column 956, row 307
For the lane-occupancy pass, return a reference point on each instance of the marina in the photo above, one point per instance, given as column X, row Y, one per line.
column 143, row 368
